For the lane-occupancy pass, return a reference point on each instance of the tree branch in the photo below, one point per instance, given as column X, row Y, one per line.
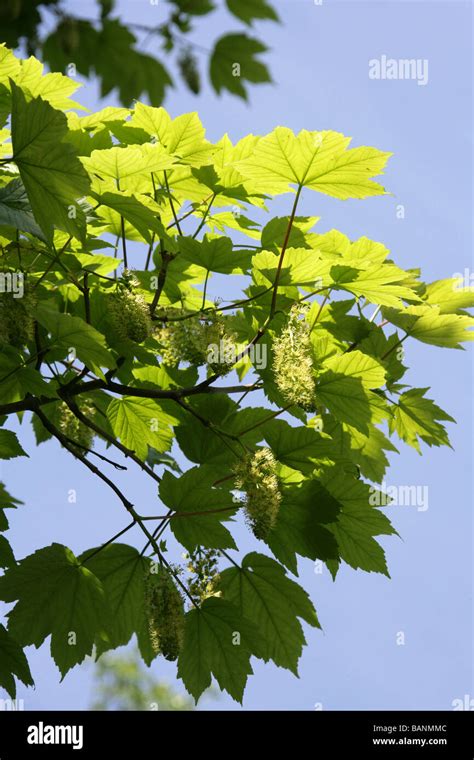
column 283, row 251
column 107, row 543
column 103, row 434
column 126, row 503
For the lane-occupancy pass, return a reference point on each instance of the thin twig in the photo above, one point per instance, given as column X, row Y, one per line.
column 113, row 441
column 107, row 543
column 190, row 514
column 283, row 251
column 206, row 214
column 87, row 303
column 173, row 210
column 124, row 244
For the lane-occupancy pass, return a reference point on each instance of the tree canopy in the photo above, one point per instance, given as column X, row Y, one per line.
column 121, row 53
column 275, row 407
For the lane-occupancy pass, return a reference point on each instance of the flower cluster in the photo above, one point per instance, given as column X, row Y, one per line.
column 129, row 313
column 165, row 613
column 256, row 476
column 17, row 323
column 202, row 564
column 73, row 428
column 293, row 367
column 197, row 339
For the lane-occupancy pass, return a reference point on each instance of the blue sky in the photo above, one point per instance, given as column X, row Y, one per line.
column 319, row 62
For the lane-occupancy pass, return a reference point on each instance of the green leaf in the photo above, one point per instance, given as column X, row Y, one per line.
column 7, row 558
column 300, row 525
column 10, row 446
column 234, row 60
column 357, row 522
column 301, row 267
column 201, row 444
column 387, row 350
column 155, row 458
column 12, row 663
column 122, row 66
column 318, row 160
column 247, row 10
column 238, row 222
column 28, row 74
column 182, row 137
column 416, row 417
column 123, row 164
column 140, row 423
column 193, row 492
column 15, row 209
column 379, row 284
column 345, row 385
column 274, row 232
column 6, row 502
column 135, row 212
column 57, row 597
column 52, row 174
column 122, row 571
column 451, row 296
column 298, row 447
column 17, row 380
column 96, row 264
column 215, row 254
column 263, row 593
column 69, row 332
column 195, row 7
column 367, row 451
column 430, row 325
column 218, row 641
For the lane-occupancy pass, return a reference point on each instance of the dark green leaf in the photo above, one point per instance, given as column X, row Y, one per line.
column 57, row 597
column 12, row 663
column 218, row 641
column 263, row 593
column 234, row 61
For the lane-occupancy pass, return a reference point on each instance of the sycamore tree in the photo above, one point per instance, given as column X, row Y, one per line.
column 274, row 408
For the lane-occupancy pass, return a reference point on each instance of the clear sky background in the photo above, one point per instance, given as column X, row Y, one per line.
column 319, row 62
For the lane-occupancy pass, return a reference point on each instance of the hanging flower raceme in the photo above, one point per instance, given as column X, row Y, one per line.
column 165, row 613
column 202, row 565
column 129, row 313
column 181, row 338
column 197, row 339
column 221, row 351
column 256, row 476
column 17, row 322
column 293, row 366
